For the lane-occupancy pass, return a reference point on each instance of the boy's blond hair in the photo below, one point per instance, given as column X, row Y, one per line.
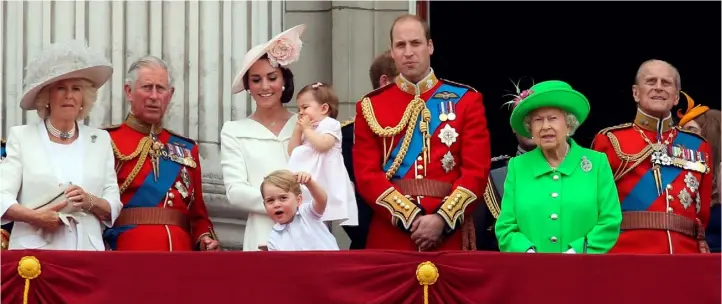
column 283, row 179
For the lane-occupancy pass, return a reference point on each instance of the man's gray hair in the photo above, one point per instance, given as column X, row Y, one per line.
column 677, row 78
column 146, row 61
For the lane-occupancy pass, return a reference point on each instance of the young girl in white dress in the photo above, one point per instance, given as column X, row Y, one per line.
column 315, row 147
column 298, row 224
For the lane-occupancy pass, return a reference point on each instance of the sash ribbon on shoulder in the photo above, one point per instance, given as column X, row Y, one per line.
column 151, row 192
column 442, row 95
column 644, row 192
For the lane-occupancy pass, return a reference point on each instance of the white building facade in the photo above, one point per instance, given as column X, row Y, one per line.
column 204, row 43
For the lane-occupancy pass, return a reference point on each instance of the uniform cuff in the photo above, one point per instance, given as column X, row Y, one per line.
column 452, row 210
column 403, row 210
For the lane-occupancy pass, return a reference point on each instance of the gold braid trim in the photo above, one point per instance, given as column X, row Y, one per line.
column 455, row 204
column 490, row 199
column 141, row 152
column 411, row 114
column 636, row 159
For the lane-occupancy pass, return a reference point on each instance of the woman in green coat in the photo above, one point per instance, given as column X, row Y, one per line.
column 559, row 197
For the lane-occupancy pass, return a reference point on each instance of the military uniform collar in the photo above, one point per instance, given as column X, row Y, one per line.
column 427, row 83
column 570, row 162
column 141, row 126
column 654, row 124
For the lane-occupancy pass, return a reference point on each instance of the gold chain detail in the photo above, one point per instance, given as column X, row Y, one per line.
column 627, row 158
column 141, row 152
column 368, row 112
column 411, row 114
column 637, row 158
column 130, row 156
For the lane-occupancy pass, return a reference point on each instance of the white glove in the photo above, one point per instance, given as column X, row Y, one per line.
column 570, row 251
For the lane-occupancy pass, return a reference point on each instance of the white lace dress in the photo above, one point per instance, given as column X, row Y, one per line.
column 328, row 170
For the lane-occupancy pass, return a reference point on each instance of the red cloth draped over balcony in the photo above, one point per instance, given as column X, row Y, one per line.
column 360, row 277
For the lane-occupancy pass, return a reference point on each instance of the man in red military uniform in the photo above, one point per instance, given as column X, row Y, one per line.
column 159, row 172
column 662, row 172
column 421, row 154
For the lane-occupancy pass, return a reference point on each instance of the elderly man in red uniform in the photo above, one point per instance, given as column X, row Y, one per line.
column 159, row 172
column 662, row 172
column 421, row 154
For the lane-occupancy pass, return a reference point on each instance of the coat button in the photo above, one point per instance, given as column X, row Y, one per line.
column 554, row 195
column 170, row 203
column 419, row 176
column 420, row 167
column 670, row 210
column 553, row 216
column 419, row 158
column 556, row 177
column 553, row 239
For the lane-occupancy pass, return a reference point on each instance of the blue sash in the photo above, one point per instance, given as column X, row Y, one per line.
column 2, row 150
column 150, row 193
column 417, row 139
column 644, row 192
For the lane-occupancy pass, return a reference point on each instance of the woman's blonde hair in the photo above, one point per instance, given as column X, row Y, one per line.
column 90, row 94
column 284, row 180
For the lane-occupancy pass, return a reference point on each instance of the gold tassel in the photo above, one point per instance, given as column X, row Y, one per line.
column 28, row 268
column 427, row 274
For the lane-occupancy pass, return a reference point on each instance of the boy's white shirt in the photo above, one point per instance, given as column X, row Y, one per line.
column 305, row 232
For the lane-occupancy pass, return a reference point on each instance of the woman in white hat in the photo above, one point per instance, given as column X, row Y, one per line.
column 59, row 184
column 253, row 147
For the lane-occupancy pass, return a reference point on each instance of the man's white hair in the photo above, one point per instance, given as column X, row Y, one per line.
column 146, row 61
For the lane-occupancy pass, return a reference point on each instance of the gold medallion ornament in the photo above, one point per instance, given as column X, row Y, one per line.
column 28, row 269
column 427, row 274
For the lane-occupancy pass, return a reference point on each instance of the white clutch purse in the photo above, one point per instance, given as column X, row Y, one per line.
column 54, row 196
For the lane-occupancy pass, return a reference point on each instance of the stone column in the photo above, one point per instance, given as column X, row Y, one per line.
column 360, row 33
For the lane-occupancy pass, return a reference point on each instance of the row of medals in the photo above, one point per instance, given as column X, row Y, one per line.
column 448, row 134
column 160, row 149
column 683, row 158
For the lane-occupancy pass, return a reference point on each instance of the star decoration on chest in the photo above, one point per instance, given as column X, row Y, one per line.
column 448, row 135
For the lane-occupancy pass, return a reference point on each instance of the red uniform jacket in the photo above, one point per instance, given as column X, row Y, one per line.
column 442, row 169
column 673, row 195
column 178, row 188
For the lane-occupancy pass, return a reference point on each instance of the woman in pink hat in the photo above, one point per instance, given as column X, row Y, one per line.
column 255, row 146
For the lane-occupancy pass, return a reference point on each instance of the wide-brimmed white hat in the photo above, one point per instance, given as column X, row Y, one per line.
column 282, row 50
column 63, row 60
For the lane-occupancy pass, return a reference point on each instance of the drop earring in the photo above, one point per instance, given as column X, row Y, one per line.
column 283, row 88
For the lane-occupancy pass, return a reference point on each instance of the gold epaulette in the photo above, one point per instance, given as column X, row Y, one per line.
column 348, row 122
column 691, row 133
column 110, row 127
column 377, row 91
column 617, row 127
column 459, row 84
column 2, row 140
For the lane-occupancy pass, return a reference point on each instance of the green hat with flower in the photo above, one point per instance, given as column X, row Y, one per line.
column 547, row 94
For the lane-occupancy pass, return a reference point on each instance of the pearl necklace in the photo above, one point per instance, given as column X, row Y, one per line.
column 59, row 134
